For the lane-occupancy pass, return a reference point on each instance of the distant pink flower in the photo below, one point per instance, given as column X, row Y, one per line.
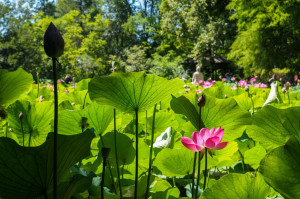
column 232, row 79
column 283, row 89
column 187, row 90
column 207, row 84
column 213, row 81
column 200, row 81
column 223, row 79
column 242, row 83
column 287, row 83
column 58, row 80
column 196, row 83
column 67, row 91
column 260, row 85
column 210, row 139
column 199, row 91
column 252, row 80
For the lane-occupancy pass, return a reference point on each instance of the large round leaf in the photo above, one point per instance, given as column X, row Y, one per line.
column 243, row 186
column 36, row 121
column 280, row 169
column 13, row 84
column 98, row 117
column 216, row 112
column 174, row 162
column 124, row 147
column 254, row 156
column 272, row 127
column 28, row 172
column 132, row 91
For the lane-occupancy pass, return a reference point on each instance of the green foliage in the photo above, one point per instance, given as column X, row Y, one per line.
column 168, row 66
column 137, row 91
column 238, row 186
column 280, row 169
column 30, row 170
column 272, row 127
column 267, row 34
column 216, row 112
column 13, row 84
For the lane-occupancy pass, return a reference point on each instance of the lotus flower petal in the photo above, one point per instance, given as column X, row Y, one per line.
column 221, row 145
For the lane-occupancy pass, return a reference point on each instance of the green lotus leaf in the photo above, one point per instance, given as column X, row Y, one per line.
column 220, row 90
column 254, row 156
column 126, row 152
column 28, row 172
column 216, row 112
column 174, row 162
column 13, row 84
column 98, row 117
column 238, row 186
column 36, row 121
column 132, row 91
column 280, row 169
column 83, row 85
column 272, row 127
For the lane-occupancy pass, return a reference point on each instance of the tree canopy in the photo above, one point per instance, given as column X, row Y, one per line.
column 152, row 35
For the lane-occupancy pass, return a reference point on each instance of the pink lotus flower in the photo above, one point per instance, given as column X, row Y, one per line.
column 200, row 82
column 210, row 139
column 187, row 90
column 242, row 83
column 232, row 79
column 67, row 91
column 207, row 84
column 287, row 83
column 223, row 79
column 213, row 81
column 252, row 80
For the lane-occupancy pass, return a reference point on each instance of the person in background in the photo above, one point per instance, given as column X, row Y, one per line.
column 227, row 76
column 68, row 78
column 296, row 79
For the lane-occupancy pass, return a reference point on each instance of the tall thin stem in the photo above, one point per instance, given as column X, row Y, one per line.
column 22, row 130
column 55, row 129
column 205, row 171
column 146, row 127
column 29, row 139
column 198, row 179
column 109, row 167
column 116, row 153
column 6, row 127
column 136, row 153
column 193, row 177
column 102, row 180
column 150, row 155
column 38, row 84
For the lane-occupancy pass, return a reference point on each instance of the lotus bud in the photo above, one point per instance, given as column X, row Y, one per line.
column 201, row 100
column 246, row 88
column 53, row 42
column 105, row 152
column 21, row 115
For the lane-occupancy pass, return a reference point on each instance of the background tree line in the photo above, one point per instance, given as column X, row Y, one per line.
column 154, row 35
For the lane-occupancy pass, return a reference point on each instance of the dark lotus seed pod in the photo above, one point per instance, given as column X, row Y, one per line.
column 21, row 115
column 3, row 113
column 105, row 152
column 201, row 100
column 225, row 96
column 53, row 42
